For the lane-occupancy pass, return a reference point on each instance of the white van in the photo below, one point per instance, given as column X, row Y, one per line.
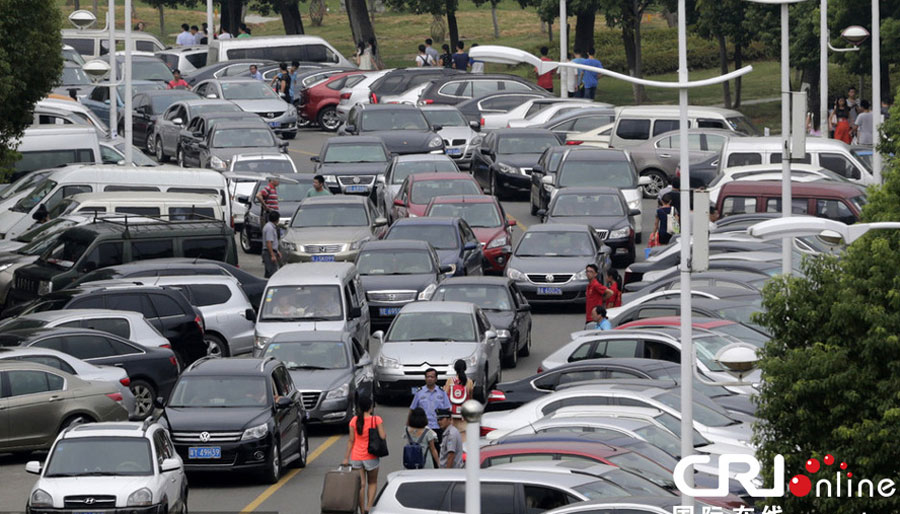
column 94, row 43
column 72, row 180
column 172, row 206
column 831, row 154
column 277, row 48
column 49, row 146
column 54, row 111
column 636, row 124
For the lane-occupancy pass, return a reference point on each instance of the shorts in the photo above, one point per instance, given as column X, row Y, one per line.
column 368, row 464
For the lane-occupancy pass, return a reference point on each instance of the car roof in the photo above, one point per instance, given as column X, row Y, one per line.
column 336, row 199
column 595, row 448
column 464, row 199
column 28, row 334
column 388, row 107
column 311, row 273
column 494, row 473
column 133, row 429
column 437, row 107
column 773, row 187
column 396, row 244
column 441, row 175
column 558, row 227
column 310, row 335
column 422, row 157
column 73, row 313
column 761, row 143
column 522, row 131
column 672, row 111
column 456, row 307
column 248, row 122
column 217, row 367
column 16, row 351
column 628, row 362
column 590, row 154
column 7, row 364
column 573, row 467
column 167, row 92
column 476, row 280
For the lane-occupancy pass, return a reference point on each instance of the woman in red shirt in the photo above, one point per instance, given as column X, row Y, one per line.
column 358, row 456
column 614, row 284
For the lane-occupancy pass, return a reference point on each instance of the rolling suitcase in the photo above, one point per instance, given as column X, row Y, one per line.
column 340, row 492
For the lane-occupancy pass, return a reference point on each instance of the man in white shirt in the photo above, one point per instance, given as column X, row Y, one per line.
column 863, row 124
column 185, row 38
column 568, row 78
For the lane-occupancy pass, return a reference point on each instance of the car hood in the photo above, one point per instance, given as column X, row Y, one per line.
column 320, row 379
column 523, row 160
column 405, row 141
column 262, row 105
column 271, row 328
column 428, row 352
column 9, row 245
column 487, row 234
column 501, row 320
column 8, row 220
column 120, row 486
column 550, row 264
column 14, row 258
column 226, row 154
column 449, row 256
column 351, row 168
column 314, row 235
column 732, row 434
column 418, row 282
column 451, row 133
column 598, row 222
column 287, row 209
column 199, row 419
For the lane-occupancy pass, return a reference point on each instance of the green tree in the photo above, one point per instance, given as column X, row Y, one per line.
column 446, row 8
column 627, row 14
column 831, row 373
column 30, row 65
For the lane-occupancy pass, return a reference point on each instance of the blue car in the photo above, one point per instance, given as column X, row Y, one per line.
column 452, row 238
column 98, row 99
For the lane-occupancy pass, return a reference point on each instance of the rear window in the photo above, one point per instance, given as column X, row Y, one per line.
column 422, row 495
column 208, row 248
column 633, row 129
column 138, row 211
column 203, row 295
column 744, row 159
column 196, row 60
column 52, row 158
column 82, row 46
column 738, row 205
column 191, row 213
column 155, row 249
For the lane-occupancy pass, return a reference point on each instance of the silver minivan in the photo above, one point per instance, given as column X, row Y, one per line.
column 636, row 124
column 277, row 48
column 313, row 296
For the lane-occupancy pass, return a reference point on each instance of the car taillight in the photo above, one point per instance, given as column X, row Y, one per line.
column 232, row 223
column 428, row 101
column 373, row 98
column 574, row 142
column 167, row 345
column 496, row 396
column 540, row 369
column 174, row 361
column 116, row 397
column 125, row 381
column 345, row 96
column 199, row 321
column 482, row 122
column 486, row 430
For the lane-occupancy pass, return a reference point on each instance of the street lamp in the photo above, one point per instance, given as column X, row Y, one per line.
column 855, row 35
column 82, row 19
column 800, row 226
column 471, row 412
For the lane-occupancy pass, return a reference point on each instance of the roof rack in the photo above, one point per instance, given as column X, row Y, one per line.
column 262, row 365
column 198, row 361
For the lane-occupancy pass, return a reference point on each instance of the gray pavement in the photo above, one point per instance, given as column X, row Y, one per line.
column 299, row 489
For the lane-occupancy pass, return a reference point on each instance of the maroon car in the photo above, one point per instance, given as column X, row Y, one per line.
column 319, row 102
column 488, row 220
column 417, row 190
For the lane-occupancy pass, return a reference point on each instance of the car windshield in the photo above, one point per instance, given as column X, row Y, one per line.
column 399, row 119
column 432, row 326
column 162, row 102
column 22, row 324
column 743, row 333
column 44, row 229
column 247, row 91
column 291, row 192
column 742, row 125
column 673, row 425
column 264, row 166
column 330, row 215
column 404, row 169
column 441, row 237
column 555, row 244
column 660, row 438
column 74, row 76
column 217, row 107
column 143, row 86
column 864, row 156
column 703, row 414
column 601, row 489
column 40, row 245
column 27, row 202
column 310, row 354
column 392, row 262
column 586, row 205
column 137, row 156
column 100, row 456
column 635, row 463
column 65, row 253
column 151, row 69
column 338, row 153
column 616, row 174
column 489, row 298
column 483, row 215
column 220, row 391
column 424, row 190
column 22, row 184
column 445, row 118
column 519, row 144
column 242, row 137
column 303, row 303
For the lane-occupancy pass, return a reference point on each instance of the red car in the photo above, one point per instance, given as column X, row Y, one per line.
column 418, row 189
column 721, row 326
column 488, row 220
column 319, row 102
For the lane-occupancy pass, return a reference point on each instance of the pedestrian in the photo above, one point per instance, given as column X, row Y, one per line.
column 177, row 82
column 599, row 321
column 840, row 120
column 446, row 57
column 318, row 188
column 460, row 58
column 614, row 283
column 544, row 80
column 357, row 56
column 243, row 31
column 568, row 78
column 595, row 293
column 358, row 456
column 430, row 50
column 271, row 255
column 886, row 108
column 254, row 72
column 459, row 389
column 294, row 71
column 589, row 78
column 863, row 126
column 268, row 195
column 195, row 33
column 282, row 83
column 367, row 62
column 224, row 34
column 451, row 455
column 661, row 224
column 185, row 38
column 140, row 26
column 853, row 105
column 476, row 66
column 42, row 215
column 423, row 60
column 204, row 34
column 418, row 434
column 431, row 398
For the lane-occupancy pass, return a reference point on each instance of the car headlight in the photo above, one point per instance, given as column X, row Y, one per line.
column 340, row 392
column 426, row 293
column 549, row 188
column 261, row 341
column 45, row 287
column 514, row 274
column 506, row 168
column 387, row 362
column 257, row 432
column 635, row 204
column 292, row 111
column 452, row 270
column 289, row 246
column 330, row 179
column 471, row 361
column 435, row 142
column 217, row 163
column 499, row 241
column 622, row 232
column 380, row 178
column 503, row 334
column 4, row 267
column 581, row 275
column 41, row 498
column 140, row 498
column 356, row 245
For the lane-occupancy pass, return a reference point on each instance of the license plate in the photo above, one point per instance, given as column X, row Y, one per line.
column 356, row 189
column 454, row 151
column 549, row 290
column 388, row 311
column 274, row 124
column 205, row 452
column 323, row 258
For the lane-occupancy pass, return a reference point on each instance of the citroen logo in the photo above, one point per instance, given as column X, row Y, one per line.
column 548, row 277
column 204, row 437
column 88, row 501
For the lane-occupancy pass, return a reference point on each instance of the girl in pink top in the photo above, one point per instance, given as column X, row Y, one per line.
column 358, row 456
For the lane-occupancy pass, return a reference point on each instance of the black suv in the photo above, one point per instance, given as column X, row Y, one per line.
column 237, row 414
column 166, row 308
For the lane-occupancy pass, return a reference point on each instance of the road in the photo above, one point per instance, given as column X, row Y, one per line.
column 299, row 489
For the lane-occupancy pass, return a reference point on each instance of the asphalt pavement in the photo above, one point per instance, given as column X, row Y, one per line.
column 299, row 490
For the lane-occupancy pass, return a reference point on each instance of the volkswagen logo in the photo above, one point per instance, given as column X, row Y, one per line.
column 356, row 180
column 204, row 437
column 548, row 277
column 88, row 501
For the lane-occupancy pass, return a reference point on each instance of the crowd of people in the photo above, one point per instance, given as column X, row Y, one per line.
column 850, row 119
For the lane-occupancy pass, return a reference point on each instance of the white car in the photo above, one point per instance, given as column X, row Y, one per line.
column 247, row 169
column 554, row 111
column 127, row 324
column 457, row 132
column 409, row 97
column 358, row 93
column 106, row 467
column 528, row 109
column 598, row 137
column 799, row 173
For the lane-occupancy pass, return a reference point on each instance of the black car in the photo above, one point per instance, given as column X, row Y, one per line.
column 225, row 139
column 230, row 68
column 502, row 163
column 496, row 103
column 403, row 128
column 547, row 166
column 456, row 89
column 151, row 371
column 452, row 238
column 394, row 273
column 165, row 308
column 352, row 164
column 148, row 106
column 291, row 191
column 397, row 81
column 238, row 414
column 196, row 129
column 504, row 305
column 169, row 126
column 635, row 272
column 603, row 208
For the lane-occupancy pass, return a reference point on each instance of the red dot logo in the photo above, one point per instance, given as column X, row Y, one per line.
column 812, row 465
column 843, row 465
column 849, row 475
column 800, row 485
column 829, row 459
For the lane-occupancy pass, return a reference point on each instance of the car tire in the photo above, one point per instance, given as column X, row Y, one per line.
column 180, row 159
column 525, row 351
column 483, row 389
column 495, row 189
column 144, row 395
column 658, row 181
column 247, row 244
column 149, row 147
column 289, row 135
column 216, row 346
column 303, row 449
column 74, row 420
column 534, row 208
column 160, row 151
column 273, row 464
column 512, row 360
column 328, row 118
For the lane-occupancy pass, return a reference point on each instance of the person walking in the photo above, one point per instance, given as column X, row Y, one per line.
column 589, row 78
column 840, row 119
column 544, row 80
column 423, row 60
column 418, row 434
column 451, row 455
column 177, row 82
column 357, row 454
column 282, row 83
column 613, row 283
column 224, row 34
column 430, row 50
column 318, row 188
column 863, row 125
column 446, row 57
column 596, row 293
column 271, row 255
column 460, row 58
column 254, row 72
column 294, row 70
column 431, row 398
column 661, row 223
column 459, row 389
column 195, row 34
column 268, row 196
column 599, row 321
column 185, row 38
column 568, row 78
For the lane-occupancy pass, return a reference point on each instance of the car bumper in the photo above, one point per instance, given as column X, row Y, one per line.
column 620, row 246
column 352, row 189
column 239, row 455
column 462, row 155
column 495, row 259
column 151, row 509
column 334, row 411
column 570, row 291
column 403, row 380
column 381, row 320
column 348, row 256
column 282, row 124
column 514, row 182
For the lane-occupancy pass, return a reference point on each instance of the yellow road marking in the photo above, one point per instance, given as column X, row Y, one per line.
column 302, row 152
column 272, row 489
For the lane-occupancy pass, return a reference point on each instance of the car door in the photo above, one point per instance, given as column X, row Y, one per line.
column 36, row 404
column 169, row 481
column 167, row 131
column 287, row 421
column 4, row 408
column 482, row 160
column 141, row 119
column 496, row 498
column 540, row 498
column 363, row 372
column 351, row 301
column 473, row 258
column 523, row 314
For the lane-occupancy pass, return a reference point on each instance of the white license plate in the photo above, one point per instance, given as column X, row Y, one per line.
column 388, row 311
column 549, row 291
column 205, row 452
column 274, row 124
column 323, row 258
column 356, row 189
column 454, row 151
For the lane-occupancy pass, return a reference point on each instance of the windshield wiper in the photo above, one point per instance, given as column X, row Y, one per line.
column 88, row 474
column 433, row 339
column 298, row 318
column 307, row 367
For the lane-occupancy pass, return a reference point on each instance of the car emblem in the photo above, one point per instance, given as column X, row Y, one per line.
column 391, row 296
column 271, row 115
column 405, row 143
column 88, row 501
column 322, row 249
column 548, row 277
column 204, row 437
column 356, row 180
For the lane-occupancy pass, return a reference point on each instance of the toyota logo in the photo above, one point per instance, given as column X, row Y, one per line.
column 204, row 437
column 88, row 501
column 548, row 277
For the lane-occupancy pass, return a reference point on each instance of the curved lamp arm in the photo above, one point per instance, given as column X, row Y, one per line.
column 851, row 49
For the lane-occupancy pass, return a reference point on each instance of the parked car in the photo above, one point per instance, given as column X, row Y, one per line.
column 331, row 228
column 456, row 89
column 659, row 157
column 291, row 191
column 840, row 202
column 804, row 173
column 321, row 100
column 50, row 146
column 95, row 42
column 452, row 238
column 199, row 128
column 403, row 128
column 223, row 69
column 148, row 107
column 457, row 132
column 418, row 190
column 751, row 282
column 73, row 81
column 399, row 80
column 186, row 59
column 567, row 125
column 168, row 126
column 125, row 324
column 486, row 217
column 503, row 161
column 292, row 47
column 226, row 139
column 352, row 164
column 402, row 166
column 547, row 166
column 496, row 102
column 98, row 99
column 254, row 96
column 638, row 123
column 359, row 92
column 528, row 109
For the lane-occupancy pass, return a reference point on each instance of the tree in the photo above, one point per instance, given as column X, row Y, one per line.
column 361, row 25
column 446, row 8
column 844, row 13
column 585, row 12
column 830, row 382
column 628, row 14
column 160, row 6
column 493, row 3
column 30, row 65
column 289, row 11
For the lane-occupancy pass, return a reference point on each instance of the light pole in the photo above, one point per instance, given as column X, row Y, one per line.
column 209, row 21
column 113, row 98
column 129, row 149
column 471, row 412
column 855, row 35
column 876, row 89
column 563, row 45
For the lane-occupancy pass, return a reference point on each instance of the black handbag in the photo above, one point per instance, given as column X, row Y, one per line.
column 377, row 445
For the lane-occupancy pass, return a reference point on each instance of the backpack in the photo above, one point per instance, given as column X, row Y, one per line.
column 413, row 452
column 424, row 60
column 458, row 396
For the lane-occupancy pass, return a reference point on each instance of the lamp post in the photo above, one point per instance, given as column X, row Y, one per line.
column 129, row 149
column 876, row 89
column 855, row 35
column 799, row 226
column 209, row 21
column 471, row 412
column 113, row 98
column 563, row 45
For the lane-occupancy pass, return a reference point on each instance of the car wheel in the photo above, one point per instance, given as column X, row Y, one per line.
column 247, row 244
column 482, row 393
column 303, row 449
column 526, row 350
column 495, row 190
column 160, row 153
column 273, row 466
column 534, row 208
column 328, row 118
column 180, row 161
column 74, row 420
column 144, row 394
column 289, row 135
column 150, row 147
column 512, row 360
column 215, row 346
column 658, row 181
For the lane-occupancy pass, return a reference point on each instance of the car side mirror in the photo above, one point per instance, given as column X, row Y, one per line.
column 524, row 308
column 644, row 181
column 363, row 363
column 380, row 222
column 547, row 179
column 170, row 464
column 605, row 250
column 399, row 202
column 34, row 467
column 178, row 121
column 474, row 125
column 283, row 144
column 445, row 269
column 470, row 245
column 242, row 199
column 355, row 312
column 634, row 212
column 490, row 334
column 379, row 334
column 250, row 314
column 283, row 402
column 159, row 402
column 437, row 128
column 314, row 158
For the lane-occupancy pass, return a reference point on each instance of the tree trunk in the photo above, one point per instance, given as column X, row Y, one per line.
column 723, row 62
column 452, row 26
column 584, row 29
column 640, row 95
column 811, row 76
column 96, row 8
column 231, row 15
column 494, row 19
column 543, row 26
column 77, row 4
column 162, row 22
column 738, row 64
column 550, row 31
column 361, row 25
column 290, row 16
column 671, row 18
column 886, row 92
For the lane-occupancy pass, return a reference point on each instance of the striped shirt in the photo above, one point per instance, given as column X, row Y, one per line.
column 270, row 197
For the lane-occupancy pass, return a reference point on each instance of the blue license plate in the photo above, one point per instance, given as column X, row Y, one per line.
column 323, row 258
column 205, row 452
column 454, row 151
column 388, row 311
column 274, row 124
column 549, row 291
column 356, row 189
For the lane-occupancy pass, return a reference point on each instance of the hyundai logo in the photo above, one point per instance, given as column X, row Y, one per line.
column 204, row 437
column 88, row 501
